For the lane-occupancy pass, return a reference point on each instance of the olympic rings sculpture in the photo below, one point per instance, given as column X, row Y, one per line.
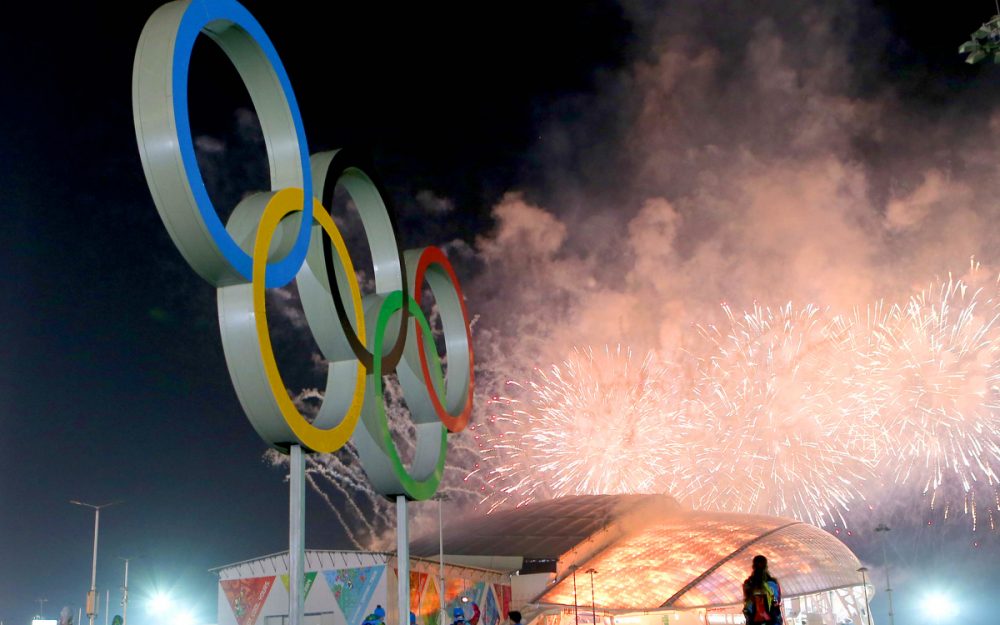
column 288, row 234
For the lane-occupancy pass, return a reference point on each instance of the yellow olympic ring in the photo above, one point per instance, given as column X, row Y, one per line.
column 323, row 440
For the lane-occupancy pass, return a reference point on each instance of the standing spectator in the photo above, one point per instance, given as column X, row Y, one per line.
column 762, row 595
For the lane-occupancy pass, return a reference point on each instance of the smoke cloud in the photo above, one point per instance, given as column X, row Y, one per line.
column 746, row 155
column 750, row 155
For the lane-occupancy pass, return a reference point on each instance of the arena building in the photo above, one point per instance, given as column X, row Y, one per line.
column 645, row 560
column 608, row 559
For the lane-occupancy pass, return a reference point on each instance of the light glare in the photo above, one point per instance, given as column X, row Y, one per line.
column 160, row 603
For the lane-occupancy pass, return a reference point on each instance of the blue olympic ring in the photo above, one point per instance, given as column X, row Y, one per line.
column 197, row 18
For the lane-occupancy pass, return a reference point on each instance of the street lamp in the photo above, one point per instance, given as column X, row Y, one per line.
column 882, row 530
column 125, row 593
column 576, row 609
column 593, row 604
column 864, row 588
column 41, row 608
column 92, row 594
column 441, row 498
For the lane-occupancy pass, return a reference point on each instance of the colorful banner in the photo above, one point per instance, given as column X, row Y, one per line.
column 454, row 588
column 418, row 582
column 503, row 598
column 430, row 605
column 476, row 593
column 310, row 578
column 246, row 597
column 354, row 589
column 491, row 614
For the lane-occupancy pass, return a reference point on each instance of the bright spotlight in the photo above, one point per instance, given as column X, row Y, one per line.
column 160, row 603
column 939, row 603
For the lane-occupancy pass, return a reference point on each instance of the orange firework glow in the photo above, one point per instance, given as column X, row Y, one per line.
column 788, row 411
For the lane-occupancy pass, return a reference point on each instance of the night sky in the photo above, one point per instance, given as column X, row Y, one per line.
column 113, row 383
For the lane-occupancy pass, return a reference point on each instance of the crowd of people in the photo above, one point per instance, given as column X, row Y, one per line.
column 458, row 615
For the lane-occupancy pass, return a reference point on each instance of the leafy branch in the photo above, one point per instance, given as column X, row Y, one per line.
column 984, row 43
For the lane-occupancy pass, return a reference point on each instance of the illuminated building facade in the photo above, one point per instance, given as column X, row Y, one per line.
column 645, row 560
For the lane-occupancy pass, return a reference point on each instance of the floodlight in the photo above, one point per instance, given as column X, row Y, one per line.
column 939, row 603
column 160, row 603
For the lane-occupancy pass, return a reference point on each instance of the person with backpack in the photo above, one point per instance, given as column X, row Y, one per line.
column 762, row 595
column 375, row 618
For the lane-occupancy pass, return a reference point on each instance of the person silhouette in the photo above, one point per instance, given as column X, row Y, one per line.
column 762, row 595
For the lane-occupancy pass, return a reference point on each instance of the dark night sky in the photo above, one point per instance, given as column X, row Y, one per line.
column 113, row 383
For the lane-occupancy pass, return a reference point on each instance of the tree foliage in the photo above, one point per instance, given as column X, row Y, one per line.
column 984, row 43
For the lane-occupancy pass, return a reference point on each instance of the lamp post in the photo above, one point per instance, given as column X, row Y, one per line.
column 576, row 604
column 882, row 530
column 125, row 594
column 41, row 608
column 593, row 604
column 864, row 588
column 441, row 498
column 92, row 593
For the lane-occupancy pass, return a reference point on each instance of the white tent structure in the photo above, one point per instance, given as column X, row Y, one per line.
column 652, row 559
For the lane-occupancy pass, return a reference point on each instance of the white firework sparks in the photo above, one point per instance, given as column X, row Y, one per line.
column 790, row 411
column 940, row 361
column 600, row 422
column 777, row 390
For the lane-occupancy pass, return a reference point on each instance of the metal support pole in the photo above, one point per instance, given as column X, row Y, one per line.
column 864, row 588
column 92, row 595
column 107, row 605
column 882, row 529
column 593, row 604
column 403, row 559
column 92, row 599
column 125, row 595
column 888, row 589
column 296, row 536
column 444, row 616
column 576, row 608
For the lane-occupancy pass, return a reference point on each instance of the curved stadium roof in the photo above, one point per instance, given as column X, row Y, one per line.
column 651, row 554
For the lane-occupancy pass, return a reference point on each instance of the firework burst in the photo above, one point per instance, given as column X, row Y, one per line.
column 788, row 411
column 777, row 393
column 940, row 360
column 600, row 422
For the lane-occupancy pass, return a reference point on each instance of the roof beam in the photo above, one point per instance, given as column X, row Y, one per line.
column 677, row 595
